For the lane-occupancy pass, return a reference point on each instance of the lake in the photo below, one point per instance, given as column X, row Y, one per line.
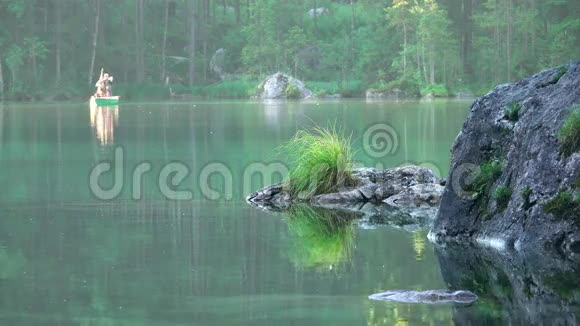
column 136, row 216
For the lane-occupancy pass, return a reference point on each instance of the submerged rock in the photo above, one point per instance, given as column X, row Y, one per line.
column 511, row 136
column 406, row 197
column 428, row 297
column 279, row 86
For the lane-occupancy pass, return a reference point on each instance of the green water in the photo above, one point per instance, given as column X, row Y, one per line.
column 70, row 258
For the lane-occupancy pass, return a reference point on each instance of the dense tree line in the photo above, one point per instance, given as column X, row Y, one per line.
column 57, row 47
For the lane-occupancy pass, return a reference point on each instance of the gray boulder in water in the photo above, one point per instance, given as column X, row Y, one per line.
column 275, row 86
column 429, row 297
column 406, row 197
column 514, row 128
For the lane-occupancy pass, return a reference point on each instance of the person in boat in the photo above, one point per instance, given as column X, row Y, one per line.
column 108, row 85
column 104, row 85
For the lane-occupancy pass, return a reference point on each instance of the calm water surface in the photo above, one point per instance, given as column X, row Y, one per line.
column 69, row 258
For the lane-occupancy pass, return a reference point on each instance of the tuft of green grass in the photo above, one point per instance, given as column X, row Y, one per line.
column 561, row 72
column 502, row 196
column 489, row 172
column 481, row 186
column 320, row 161
column 569, row 133
column 292, row 91
column 526, row 194
column 512, row 113
column 564, row 205
column 556, row 78
column 319, row 237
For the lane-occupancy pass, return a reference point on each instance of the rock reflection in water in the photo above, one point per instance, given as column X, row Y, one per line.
column 319, row 237
column 513, row 289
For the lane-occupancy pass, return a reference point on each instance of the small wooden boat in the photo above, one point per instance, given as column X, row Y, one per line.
column 105, row 101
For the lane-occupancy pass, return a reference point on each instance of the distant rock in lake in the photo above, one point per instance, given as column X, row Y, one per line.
column 281, row 86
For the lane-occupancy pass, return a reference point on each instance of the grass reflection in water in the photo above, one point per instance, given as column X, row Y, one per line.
column 320, row 237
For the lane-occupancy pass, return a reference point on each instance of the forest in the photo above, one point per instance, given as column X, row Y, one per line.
column 54, row 49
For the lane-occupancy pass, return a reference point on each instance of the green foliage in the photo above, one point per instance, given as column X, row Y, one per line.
column 320, row 161
column 564, row 205
column 561, row 72
column 569, row 133
column 413, row 46
column 512, row 112
column 407, row 84
column 526, row 194
column 564, row 283
column 489, row 173
column 292, row 91
column 319, row 237
column 241, row 88
column 348, row 88
column 502, row 196
column 481, row 186
column 437, row 90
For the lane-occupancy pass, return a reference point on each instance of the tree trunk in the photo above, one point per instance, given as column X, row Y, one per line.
column 238, row 14
column 352, row 35
column 58, row 43
column 315, row 20
column 1, row 80
column 95, row 39
column 509, row 19
column 432, row 66
column 34, row 67
column 404, row 49
column 139, row 60
column 163, row 47
column 192, row 45
column 423, row 62
column 204, row 37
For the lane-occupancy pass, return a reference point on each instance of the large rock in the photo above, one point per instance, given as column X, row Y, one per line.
column 317, row 12
column 275, row 86
column 528, row 151
column 405, row 197
column 217, row 63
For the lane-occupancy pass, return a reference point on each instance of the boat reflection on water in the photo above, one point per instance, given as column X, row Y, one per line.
column 104, row 119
